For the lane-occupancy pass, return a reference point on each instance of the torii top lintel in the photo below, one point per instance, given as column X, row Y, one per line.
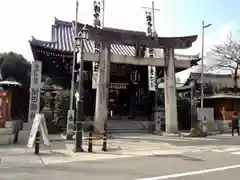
column 126, row 37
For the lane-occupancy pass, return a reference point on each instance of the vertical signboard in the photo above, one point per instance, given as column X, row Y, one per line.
column 151, row 69
column 157, row 121
column 70, row 122
column 151, row 78
column 95, row 75
column 34, row 97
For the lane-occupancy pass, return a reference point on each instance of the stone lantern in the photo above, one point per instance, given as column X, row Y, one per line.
column 48, row 94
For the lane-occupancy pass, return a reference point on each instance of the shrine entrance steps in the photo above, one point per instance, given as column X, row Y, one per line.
column 126, row 125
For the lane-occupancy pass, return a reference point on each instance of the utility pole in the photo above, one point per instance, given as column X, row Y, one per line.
column 202, row 79
column 69, row 134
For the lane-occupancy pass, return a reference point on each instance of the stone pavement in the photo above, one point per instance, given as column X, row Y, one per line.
column 61, row 151
column 119, row 146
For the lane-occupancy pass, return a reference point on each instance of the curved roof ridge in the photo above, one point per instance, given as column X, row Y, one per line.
column 65, row 41
column 110, row 28
column 62, row 22
column 122, row 30
column 41, row 41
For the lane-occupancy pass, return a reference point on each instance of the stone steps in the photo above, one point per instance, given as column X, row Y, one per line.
column 6, row 139
column 7, row 134
column 126, row 126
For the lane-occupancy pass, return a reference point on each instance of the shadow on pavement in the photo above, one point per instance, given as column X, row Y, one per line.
column 53, row 154
column 187, row 158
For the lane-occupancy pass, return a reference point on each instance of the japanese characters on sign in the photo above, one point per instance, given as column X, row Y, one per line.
column 118, row 85
column 70, row 121
column 34, row 98
column 151, row 78
column 96, row 22
column 36, row 74
column 151, row 69
column 95, row 66
column 34, row 102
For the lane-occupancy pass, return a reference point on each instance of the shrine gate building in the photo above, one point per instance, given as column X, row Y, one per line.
column 129, row 94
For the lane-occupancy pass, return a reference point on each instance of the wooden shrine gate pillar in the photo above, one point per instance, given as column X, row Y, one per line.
column 171, row 119
column 101, row 108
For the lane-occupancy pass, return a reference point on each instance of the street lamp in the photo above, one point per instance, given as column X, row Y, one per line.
column 79, row 40
column 202, row 83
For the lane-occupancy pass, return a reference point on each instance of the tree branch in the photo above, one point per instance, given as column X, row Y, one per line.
column 228, row 54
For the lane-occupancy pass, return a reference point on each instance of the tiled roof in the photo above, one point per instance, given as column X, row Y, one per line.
column 63, row 36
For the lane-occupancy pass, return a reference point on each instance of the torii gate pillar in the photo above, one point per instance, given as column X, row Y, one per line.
column 171, row 119
column 101, row 108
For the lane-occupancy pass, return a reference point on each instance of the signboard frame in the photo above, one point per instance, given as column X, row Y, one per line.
column 39, row 124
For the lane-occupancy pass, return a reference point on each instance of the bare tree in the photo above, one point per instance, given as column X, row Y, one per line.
column 228, row 58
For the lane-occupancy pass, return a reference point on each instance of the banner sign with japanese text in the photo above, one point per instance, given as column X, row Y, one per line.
column 35, row 87
column 95, row 75
column 151, row 78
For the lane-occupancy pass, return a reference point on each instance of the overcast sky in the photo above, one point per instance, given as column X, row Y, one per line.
column 21, row 19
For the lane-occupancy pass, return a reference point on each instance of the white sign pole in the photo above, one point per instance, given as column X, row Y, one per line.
column 35, row 86
column 34, row 101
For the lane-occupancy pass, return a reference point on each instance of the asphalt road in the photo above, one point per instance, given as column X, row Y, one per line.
column 204, row 165
column 224, row 139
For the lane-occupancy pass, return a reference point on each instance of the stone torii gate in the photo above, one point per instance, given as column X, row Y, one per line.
column 108, row 36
